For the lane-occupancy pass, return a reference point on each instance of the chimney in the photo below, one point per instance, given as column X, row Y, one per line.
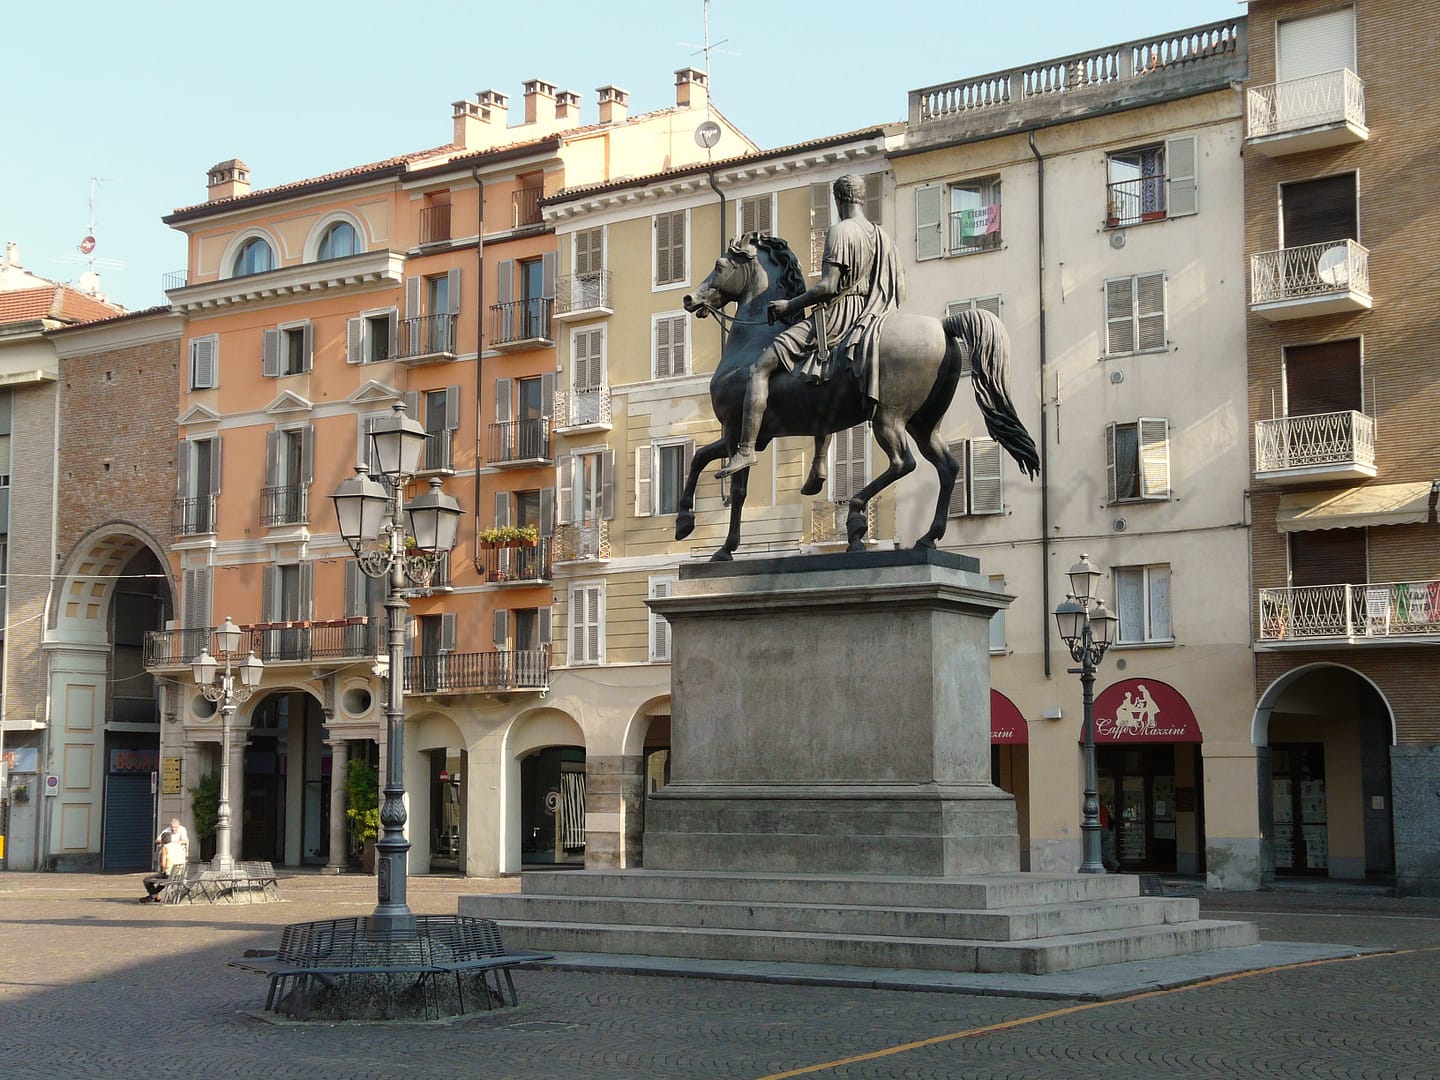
column 567, row 109
column 536, row 89
column 227, row 180
column 613, row 104
column 480, row 123
column 691, row 89
column 12, row 254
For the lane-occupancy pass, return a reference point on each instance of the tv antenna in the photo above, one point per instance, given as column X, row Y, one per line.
column 86, row 247
column 708, row 133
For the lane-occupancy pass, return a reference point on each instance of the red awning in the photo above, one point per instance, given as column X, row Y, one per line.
column 1007, row 726
column 1144, row 710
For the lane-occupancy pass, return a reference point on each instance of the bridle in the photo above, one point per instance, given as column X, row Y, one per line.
column 746, row 264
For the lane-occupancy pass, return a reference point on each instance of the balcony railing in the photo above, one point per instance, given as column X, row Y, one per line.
column 517, row 565
column 525, row 206
column 577, row 410
column 1333, row 100
column 516, row 442
column 828, row 521
column 1327, row 612
column 582, row 541
column 1315, row 279
column 1129, row 202
column 427, row 337
column 195, row 516
column 435, row 224
column 975, row 230
column 453, row 673
column 439, row 452
column 521, row 322
column 582, row 292
column 303, row 641
column 175, row 279
column 287, row 504
column 1320, row 444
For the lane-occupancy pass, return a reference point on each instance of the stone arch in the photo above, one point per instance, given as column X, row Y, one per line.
column 335, row 217
column 640, row 721
column 1260, row 722
column 89, row 575
column 253, row 232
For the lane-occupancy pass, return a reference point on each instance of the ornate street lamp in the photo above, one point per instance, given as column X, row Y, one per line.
column 228, row 637
column 1087, row 627
column 379, row 542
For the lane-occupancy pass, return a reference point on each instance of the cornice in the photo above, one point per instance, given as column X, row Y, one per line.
column 355, row 272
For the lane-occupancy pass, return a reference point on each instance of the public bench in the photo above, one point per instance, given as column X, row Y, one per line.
column 337, row 961
column 243, row 883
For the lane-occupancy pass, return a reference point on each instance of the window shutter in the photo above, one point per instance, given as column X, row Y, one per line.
column 589, row 365
column 394, row 333
column 594, row 616
column 659, row 627
column 447, row 631
column 644, row 469
column 500, row 628
column 194, row 616
column 669, row 247
column 547, row 394
column 958, row 507
column 873, row 187
column 183, row 451
column 544, row 618
column 577, row 625
column 662, row 348
column 272, row 458
column 452, row 292
column 565, row 467
column 986, row 477
column 1154, row 458
column 662, row 248
column 270, row 348
column 1110, row 486
column 215, row 465
column 452, row 407
column 1130, row 602
column 307, row 590
column 1119, row 316
column 547, row 511
column 747, row 215
column 505, row 297
column 267, row 594
column 307, row 454
column 547, row 274
column 354, row 340
column 1315, row 44
column 412, row 405
column 679, row 361
column 307, row 346
column 849, row 473
column 354, row 589
column 820, row 206
column 607, row 484
column 202, row 364
column 1181, row 183
column 589, row 251
column 929, row 210
column 410, row 632
column 988, row 303
column 502, row 508
column 412, row 298
column 1150, row 309
column 503, row 395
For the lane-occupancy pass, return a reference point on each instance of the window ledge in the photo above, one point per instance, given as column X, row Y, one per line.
column 1159, row 643
column 1126, row 355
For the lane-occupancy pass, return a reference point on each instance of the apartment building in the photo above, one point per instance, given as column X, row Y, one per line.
column 1342, row 382
column 312, row 308
column 1093, row 202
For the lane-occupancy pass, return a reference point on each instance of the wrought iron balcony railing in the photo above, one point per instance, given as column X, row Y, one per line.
column 582, row 541
column 1319, row 612
column 1331, row 98
column 195, row 516
column 521, row 322
column 435, row 224
column 582, row 409
column 516, row 442
column 299, row 641
column 174, row 279
column 427, row 337
column 527, row 564
column 502, row 670
column 1310, row 271
column 525, row 206
column 1313, row 442
column 968, row 233
column 439, row 452
column 287, row 504
column 582, row 292
column 1129, row 202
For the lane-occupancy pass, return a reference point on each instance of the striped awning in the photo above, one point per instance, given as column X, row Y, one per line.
column 1355, row 508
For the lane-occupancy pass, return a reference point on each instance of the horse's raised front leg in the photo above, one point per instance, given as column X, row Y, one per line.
column 933, row 447
column 889, row 432
column 818, row 464
column 685, row 516
column 739, row 484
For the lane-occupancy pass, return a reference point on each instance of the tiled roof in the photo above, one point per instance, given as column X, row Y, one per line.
column 113, row 316
column 58, row 302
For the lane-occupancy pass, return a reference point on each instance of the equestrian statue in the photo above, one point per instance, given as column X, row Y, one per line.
column 855, row 357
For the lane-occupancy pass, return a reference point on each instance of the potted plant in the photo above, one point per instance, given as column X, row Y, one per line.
column 362, row 795
column 205, row 809
column 20, row 793
column 510, row 536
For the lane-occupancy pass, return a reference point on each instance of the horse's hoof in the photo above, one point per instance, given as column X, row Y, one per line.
column 924, row 543
column 813, row 485
column 684, row 525
column 856, row 545
column 722, row 556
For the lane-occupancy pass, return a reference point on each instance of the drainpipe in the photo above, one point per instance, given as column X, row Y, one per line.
column 711, row 174
column 479, row 348
column 1044, row 428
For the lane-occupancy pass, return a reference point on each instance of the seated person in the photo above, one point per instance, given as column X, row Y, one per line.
column 173, row 857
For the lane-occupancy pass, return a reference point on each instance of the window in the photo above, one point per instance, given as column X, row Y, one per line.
column 587, row 623
column 659, row 626
column 1315, row 45
column 289, row 457
column 1135, row 314
column 531, row 631
column 525, row 299
column 435, row 218
column 254, row 257
column 588, row 288
column 660, row 471
column 997, row 621
column 979, row 488
column 339, row 241
column 1325, row 378
column 197, row 482
column 671, row 352
column 669, row 251
column 203, row 362
column 437, row 295
column 1320, row 211
column 288, row 349
column 196, row 587
column 587, row 489
column 1151, row 183
column 849, row 462
column 957, row 219
column 1137, row 460
column 371, row 338
column 992, row 304
column 534, row 508
column 589, row 251
column 523, row 408
column 1142, row 600
column 587, row 349
column 756, row 214
column 441, row 418
column 822, row 213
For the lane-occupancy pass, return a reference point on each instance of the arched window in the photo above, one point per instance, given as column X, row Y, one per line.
column 254, row 258
column 339, row 240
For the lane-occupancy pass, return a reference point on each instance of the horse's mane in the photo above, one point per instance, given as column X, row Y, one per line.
column 790, row 282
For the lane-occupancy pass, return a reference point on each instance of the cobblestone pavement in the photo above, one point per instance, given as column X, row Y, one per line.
column 94, row 984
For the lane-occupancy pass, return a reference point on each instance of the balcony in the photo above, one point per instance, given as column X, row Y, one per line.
column 287, row 504
column 174, row 279
column 522, row 324
column 287, row 642
column 195, row 516
column 488, row 672
column 525, row 207
column 527, row 565
column 1329, row 615
column 583, row 294
column 1337, row 446
column 520, row 442
column 427, row 339
column 581, row 542
column 435, row 224
column 1316, row 279
column 828, row 521
column 1134, row 201
column 439, row 456
column 579, row 412
column 1306, row 114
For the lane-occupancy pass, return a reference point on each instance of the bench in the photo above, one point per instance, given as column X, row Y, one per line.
column 337, row 960
column 243, row 883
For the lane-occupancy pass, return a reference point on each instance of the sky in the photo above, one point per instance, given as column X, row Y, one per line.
column 145, row 96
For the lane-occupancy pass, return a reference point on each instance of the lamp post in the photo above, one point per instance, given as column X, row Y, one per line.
column 227, row 643
column 380, row 549
column 1087, row 627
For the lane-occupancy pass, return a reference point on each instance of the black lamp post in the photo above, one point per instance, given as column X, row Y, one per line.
column 227, row 695
column 360, row 507
column 1087, row 627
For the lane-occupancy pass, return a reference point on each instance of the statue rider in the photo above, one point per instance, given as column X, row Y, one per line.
column 861, row 280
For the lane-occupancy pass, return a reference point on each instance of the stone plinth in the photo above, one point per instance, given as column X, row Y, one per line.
column 831, row 715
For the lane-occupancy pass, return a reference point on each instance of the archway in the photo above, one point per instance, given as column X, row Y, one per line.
column 438, row 802
column 647, row 769
column 1323, row 734
column 283, row 814
column 545, row 755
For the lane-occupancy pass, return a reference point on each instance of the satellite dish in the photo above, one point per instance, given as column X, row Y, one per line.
column 707, row 134
column 1334, row 266
column 87, row 245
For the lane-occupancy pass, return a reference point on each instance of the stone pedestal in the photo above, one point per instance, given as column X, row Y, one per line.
column 831, row 715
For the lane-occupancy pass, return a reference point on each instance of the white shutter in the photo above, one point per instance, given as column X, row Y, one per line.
column 354, row 340
column 1315, row 45
column 502, row 509
column 202, row 364
column 929, row 211
column 607, row 484
column 589, row 369
column 679, row 359
column 1180, row 176
column 820, row 216
column 1154, row 458
column 986, row 477
column 991, row 304
column 873, row 186
column 1110, row 489
column 594, row 624
column 565, row 467
column 848, row 474
column 1150, row 312
column 662, row 248
column 958, row 506
column 589, row 251
column 662, row 349
column 1119, row 316
column 644, row 482
column 659, row 627
column 270, row 348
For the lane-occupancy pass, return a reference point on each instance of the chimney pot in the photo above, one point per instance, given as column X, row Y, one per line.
column 227, row 180
column 567, row 108
column 535, row 89
column 614, row 103
column 692, row 90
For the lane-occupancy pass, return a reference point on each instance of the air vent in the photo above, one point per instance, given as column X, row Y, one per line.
column 1118, row 525
column 1117, row 240
column 1117, row 377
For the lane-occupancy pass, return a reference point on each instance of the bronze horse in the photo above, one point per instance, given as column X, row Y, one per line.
column 921, row 361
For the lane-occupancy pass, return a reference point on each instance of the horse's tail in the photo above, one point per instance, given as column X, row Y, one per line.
column 984, row 336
